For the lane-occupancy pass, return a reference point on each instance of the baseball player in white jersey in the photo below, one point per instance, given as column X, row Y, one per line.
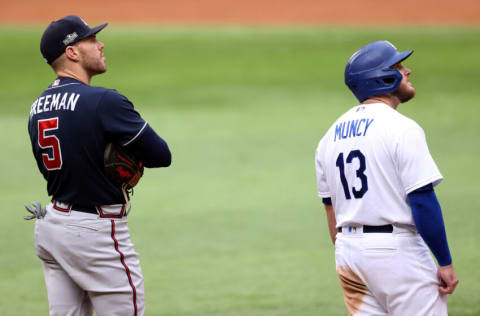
column 376, row 176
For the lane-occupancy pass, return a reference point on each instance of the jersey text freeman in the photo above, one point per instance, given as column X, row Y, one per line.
column 50, row 102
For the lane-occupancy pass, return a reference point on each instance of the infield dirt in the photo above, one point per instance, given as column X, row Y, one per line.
column 254, row 12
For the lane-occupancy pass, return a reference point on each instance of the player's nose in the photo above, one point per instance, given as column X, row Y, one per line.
column 407, row 71
column 100, row 45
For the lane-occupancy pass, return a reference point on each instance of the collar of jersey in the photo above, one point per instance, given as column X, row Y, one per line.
column 376, row 104
column 66, row 80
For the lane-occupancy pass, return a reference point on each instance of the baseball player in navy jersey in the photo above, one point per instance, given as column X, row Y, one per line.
column 82, row 236
column 376, row 177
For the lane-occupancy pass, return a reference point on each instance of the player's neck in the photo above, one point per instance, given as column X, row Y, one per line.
column 79, row 75
column 389, row 100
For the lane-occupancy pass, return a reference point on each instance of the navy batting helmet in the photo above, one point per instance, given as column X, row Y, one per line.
column 368, row 71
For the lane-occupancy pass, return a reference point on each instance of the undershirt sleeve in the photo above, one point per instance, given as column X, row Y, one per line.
column 428, row 219
column 327, row 201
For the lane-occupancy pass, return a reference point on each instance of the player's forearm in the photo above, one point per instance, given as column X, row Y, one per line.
column 428, row 218
column 332, row 222
column 151, row 149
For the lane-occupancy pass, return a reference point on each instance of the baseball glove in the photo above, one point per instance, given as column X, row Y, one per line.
column 121, row 168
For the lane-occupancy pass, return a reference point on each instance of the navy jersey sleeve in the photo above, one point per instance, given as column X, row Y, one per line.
column 151, row 149
column 120, row 121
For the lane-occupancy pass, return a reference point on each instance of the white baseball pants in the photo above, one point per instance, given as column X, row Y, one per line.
column 89, row 264
column 388, row 274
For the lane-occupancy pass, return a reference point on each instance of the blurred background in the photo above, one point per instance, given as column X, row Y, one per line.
column 247, row 12
column 243, row 92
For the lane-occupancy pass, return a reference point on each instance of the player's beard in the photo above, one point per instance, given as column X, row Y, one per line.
column 405, row 92
column 94, row 65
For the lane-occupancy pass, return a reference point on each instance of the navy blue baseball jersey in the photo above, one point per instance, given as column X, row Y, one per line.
column 69, row 126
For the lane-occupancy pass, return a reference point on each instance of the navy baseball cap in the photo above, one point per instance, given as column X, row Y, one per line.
column 62, row 33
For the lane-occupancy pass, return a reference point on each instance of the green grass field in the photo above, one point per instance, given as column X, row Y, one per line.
column 234, row 226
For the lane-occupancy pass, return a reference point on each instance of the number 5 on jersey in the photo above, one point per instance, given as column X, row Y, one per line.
column 360, row 173
column 52, row 161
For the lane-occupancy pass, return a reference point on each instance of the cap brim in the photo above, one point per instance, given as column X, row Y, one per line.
column 95, row 30
column 401, row 56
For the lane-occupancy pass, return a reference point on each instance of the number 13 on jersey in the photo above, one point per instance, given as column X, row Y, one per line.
column 360, row 173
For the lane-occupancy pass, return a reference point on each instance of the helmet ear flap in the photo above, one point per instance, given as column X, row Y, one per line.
column 379, row 82
column 381, row 85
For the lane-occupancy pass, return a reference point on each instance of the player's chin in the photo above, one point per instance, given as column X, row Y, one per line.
column 101, row 65
column 407, row 95
column 101, row 68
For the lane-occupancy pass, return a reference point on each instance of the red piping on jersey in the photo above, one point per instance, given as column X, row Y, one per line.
column 122, row 260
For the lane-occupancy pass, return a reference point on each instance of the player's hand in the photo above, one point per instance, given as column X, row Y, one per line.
column 448, row 279
column 37, row 211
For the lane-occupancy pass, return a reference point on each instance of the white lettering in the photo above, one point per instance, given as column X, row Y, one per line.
column 55, row 99
column 40, row 104
column 70, row 38
column 63, row 102
column 72, row 102
column 33, row 109
column 47, row 102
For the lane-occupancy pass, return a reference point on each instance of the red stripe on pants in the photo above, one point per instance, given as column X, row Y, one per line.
column 122, row 260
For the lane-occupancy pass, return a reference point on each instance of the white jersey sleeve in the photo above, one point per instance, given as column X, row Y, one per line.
column 416, row 166
column 322, row 185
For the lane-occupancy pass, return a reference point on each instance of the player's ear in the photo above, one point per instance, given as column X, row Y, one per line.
column 72, row 53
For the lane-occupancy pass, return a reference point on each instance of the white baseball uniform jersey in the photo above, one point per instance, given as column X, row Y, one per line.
column 367, row 163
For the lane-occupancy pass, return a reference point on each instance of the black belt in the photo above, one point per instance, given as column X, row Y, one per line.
column 374, row 229
column 84, row 208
